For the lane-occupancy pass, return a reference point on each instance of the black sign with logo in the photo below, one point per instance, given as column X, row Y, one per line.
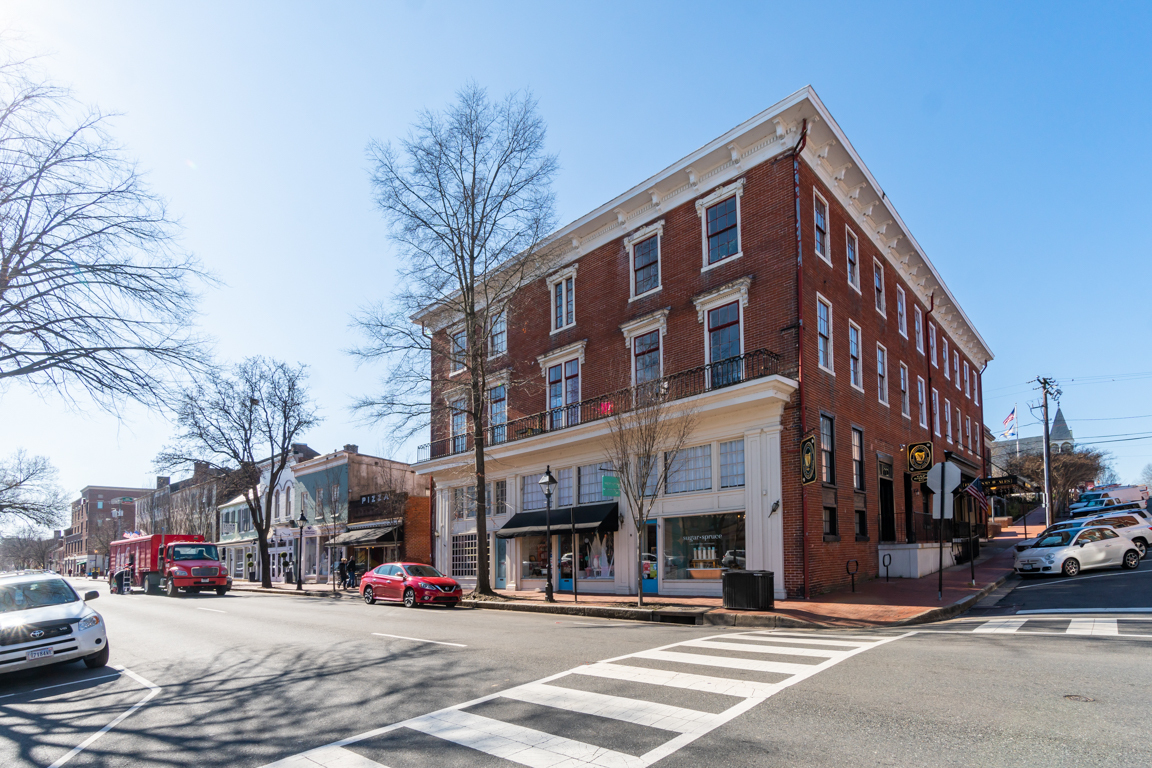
column 808, row 460
column 1005, row 484
column 919, row 457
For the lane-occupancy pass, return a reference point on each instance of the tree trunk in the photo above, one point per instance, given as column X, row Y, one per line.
column 639, row 566
column 265, row 559
column 483, row 583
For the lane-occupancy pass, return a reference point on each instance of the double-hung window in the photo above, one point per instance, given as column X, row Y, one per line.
column 853, row 260
column 498, row 413
column 976, row 389
column 827, row 450
column 459, row 350
column 564, row 300
column 857, row 458
column 724, row 345
column 855, row 372
column 689, row 470
column 901, row 312
column 723, row 230
column 967, row 381
column 936, row 411
column 968, row 432
column 732, row 464
column 646, row 265
column 959, row 425
column 956, row 371
column 820, row 226
column 646, row 351
column 932, row 345
column 882, row 374
column 824, row 333
column 947, row 419
column 904, row 405
column 564, row 394
column 498, row 335
column 878, row 284
column 459, row 426
column 945, row 356
column 920, row 402
column 918, row 327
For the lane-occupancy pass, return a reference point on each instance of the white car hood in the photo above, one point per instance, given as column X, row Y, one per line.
column 67, row 611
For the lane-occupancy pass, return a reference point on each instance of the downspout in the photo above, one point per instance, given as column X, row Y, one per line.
column 800, row 346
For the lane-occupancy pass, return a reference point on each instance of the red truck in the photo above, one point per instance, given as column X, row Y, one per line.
column 169, row 563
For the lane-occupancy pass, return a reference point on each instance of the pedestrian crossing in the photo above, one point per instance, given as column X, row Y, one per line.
column 1077, row 626
column 732, row 668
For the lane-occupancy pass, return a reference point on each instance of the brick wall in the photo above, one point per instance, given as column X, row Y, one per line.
column 418, row 529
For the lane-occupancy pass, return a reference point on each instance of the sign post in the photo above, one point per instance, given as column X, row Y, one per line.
column 942, row 479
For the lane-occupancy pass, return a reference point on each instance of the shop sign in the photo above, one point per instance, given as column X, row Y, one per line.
column 609, row 486
column 919, row 458
column 1005, row 484
column 920, row 477
column 808, row 460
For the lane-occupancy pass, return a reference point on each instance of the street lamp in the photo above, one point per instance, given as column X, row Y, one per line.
column 548, row 484
column 303, row 521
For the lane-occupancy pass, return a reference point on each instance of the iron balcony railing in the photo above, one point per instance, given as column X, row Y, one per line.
column 694, row 381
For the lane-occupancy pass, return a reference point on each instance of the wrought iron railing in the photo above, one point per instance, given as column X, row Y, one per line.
column 694, row 381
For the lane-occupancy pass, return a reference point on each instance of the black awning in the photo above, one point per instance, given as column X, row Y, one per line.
column 588, row 517
column 363, row 537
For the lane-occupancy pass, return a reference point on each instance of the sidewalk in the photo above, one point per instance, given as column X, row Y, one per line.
column 874, row 603
column 280, row 588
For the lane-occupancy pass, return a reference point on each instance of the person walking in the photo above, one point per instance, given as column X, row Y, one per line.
column 352, row 574
column 342, row 572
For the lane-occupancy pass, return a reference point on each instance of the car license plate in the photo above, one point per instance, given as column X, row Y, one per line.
column 42, row 653
column 1027, row 567
column 205, row 581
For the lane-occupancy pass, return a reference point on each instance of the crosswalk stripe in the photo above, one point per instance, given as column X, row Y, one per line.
column 1001, row 626
column 794, row 639
column 636, row 711
column 526, row 746
column 840, row 639
column 779, row 650
column 1093, row 627
column 330, row 756
column 687, row 680
column 750, row 665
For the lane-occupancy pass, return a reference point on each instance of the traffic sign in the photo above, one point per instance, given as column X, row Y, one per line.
column 943, row 478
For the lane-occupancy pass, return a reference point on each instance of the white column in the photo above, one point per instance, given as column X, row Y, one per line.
column 755, row 495
column 775, row 486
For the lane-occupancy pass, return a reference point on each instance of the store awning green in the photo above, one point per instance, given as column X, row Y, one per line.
column 588, row 517
column 364, row 537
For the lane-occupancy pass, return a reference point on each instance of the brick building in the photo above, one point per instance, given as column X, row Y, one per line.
column 101, row 514
column 836, row 327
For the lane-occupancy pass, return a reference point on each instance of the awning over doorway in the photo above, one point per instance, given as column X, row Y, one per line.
column 365, row 537
column 588, row 517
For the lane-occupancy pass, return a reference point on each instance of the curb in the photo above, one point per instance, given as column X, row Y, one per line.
column 693, row 617
column 958, row 607
column 286, row 592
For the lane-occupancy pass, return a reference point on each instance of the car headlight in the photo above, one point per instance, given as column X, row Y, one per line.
column 89, row 622
column 1049, row 558
column 179, row 572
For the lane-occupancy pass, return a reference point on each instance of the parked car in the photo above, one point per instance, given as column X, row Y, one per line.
column 1130, row 525
column 413, row 584
column 1108, row 508
column 1071, row 551
column 1069, row 525
column 43, row 620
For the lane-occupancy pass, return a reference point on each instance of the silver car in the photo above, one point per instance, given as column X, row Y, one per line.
column 1071, row 551
column 43, row 620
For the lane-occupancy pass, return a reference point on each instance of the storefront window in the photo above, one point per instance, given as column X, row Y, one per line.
column 703, row 546
column 597, row 556
column 534, row 557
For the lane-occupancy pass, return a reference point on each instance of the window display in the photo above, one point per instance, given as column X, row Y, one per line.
column 534, row 557
column 597, row 555
column 703, row 546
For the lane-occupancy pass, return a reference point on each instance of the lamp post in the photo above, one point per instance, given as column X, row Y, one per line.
column 303, row 521
column 548, row 484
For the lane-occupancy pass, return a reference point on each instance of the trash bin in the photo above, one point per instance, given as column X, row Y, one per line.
column 749, row 590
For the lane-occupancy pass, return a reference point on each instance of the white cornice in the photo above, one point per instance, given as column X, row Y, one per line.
column 722, row 295
column 549, row 359
column 644, row 324
column 655, row 228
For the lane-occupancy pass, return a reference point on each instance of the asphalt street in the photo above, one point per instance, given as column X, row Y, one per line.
column 253, row 680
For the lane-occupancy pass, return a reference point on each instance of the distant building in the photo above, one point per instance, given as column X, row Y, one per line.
column 1060, row 437
column 101, row 514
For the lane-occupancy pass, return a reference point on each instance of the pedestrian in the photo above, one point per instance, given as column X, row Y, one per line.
column 352, row 574
column 342, row 571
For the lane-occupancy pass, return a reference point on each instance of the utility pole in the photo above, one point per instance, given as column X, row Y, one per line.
column 1050, row 388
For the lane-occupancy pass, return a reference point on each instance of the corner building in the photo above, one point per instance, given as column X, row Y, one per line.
column 774, row 286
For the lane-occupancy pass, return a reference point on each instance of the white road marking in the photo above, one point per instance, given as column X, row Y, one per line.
column 1001, row 626
column 1082, row 578
column 537, row 749
column 795, row 639
column 419, row 640
column 779, row 650
column 1092, row 627
column 61, row 685
column 153, row 689
column 1086, row 610
column 214, row 610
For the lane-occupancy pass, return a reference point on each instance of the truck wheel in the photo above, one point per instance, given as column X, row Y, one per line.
column 171, row 589
column 221, row 591
column 98, row 659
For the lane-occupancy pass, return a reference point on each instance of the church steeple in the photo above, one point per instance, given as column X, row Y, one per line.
column 1060, row 429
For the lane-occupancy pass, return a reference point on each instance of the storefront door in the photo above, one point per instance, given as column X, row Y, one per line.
column 887, row 505
column 566, row 558
column 501, row 563
column 650, row 565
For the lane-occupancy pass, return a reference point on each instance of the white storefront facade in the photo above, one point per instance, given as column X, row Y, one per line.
column 720, row 509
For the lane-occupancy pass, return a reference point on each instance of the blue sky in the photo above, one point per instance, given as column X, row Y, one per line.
column 1012, row 138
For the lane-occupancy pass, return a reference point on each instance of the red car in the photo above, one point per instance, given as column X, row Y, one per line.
column 411, row 583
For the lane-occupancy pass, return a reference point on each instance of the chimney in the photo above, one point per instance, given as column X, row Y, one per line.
column 352, row 448
column 162, row 481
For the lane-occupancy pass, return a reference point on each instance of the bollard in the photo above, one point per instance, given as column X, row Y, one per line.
column 852, row 571
column 887, row 562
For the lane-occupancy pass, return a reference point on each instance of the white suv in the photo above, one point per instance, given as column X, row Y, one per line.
column 43, row 620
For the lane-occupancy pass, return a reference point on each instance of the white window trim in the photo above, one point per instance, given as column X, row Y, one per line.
column 703, row 204
column 820, row 299
column 967, row 380
column 901, row 319
column 934, row 406
column 906, row 377
column 920, row 323
column 944, row 355
column 959, row 434
column 850, row 235
column 452, row 370
column 885, row 401
column 883, row 309
column 947, row 420
column 975, row 387
column 824, row 257
column 652, row 321
column 922, row 386
column 568, row 352
column 968, row 433
column 502, row 313
column 656, row 229
column 860, row 343
column 560, row 277
column 956, row 366
column 932, row 344
column 735, row 291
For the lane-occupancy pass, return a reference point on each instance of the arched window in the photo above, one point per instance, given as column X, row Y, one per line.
column 276, row 506
column 288, row 502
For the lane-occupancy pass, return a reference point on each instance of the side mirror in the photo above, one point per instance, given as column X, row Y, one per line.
column 1081, row 543
column 92, row 595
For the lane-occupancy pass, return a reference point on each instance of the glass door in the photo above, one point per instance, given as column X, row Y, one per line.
column 650, row 564
column 501, row 563
column 565, row 552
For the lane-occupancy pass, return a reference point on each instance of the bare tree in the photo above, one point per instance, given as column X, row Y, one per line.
column 94, row 293
column 246, row 420
column 468, row 197
column 648, row 428
column 28, row 547
column 1145, row 475
column 29, row 491
column 1070, row 470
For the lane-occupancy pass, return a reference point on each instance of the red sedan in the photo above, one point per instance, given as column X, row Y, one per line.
column 410, row 583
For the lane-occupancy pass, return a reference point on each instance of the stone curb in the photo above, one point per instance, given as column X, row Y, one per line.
column 958, row 607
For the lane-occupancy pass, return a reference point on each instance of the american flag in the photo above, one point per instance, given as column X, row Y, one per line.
column 1011, row 418
column 977, row 492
